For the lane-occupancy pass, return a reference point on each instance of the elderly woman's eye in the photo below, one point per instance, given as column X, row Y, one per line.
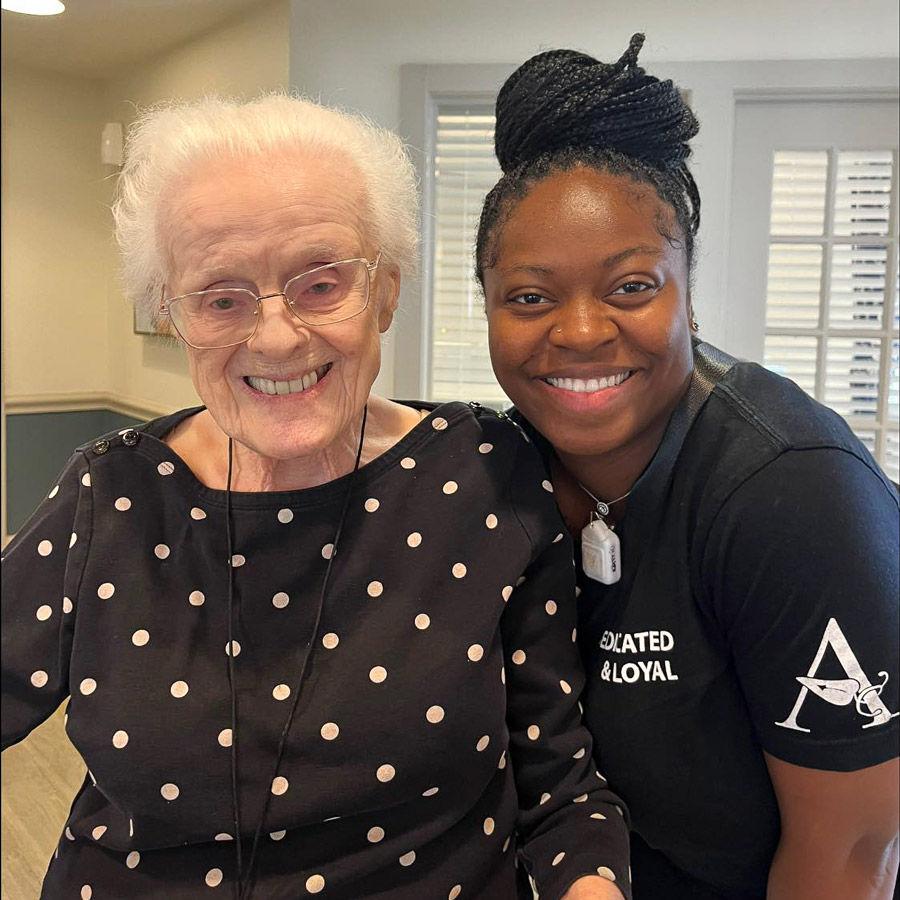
column 321, row 287
column 223, row 303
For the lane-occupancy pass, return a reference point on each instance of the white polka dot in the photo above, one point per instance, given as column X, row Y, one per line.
column 170, row 791
column 558, row 859
column 67, row 605
column 551, row 607
column 43, row 613
column 485, row 448
column 501, row 763
column 408, row 462
column 491, row 521
column 140, row 638
column 378, row 674
column 566, row 687
column 123, row 504
column 502, row 674
column 280, row 600
column 106, row 590
column 238, row 560
column 133, row 859
column 131, row 828
column 87, row 686
column 598, row 816
column 374, row 835
column 86, row 479
column 547, row 486
column 45, row 548
column 533, row 732
column 330, row 731
column 435, row 714
column 224, row 737
column 162, row 551
column 196, row 598
column 375, row 589
column 330, row 641
column 327, row 550
column 277, row 835
column 120, row 739
column 179, row 689
column 483, row 742
column 86, row 892
column 422, row 621
column 475, row 652
column 518, row 657
column 506, row 593
column 197, row 514
column 574, row 635
column 408, row 858
column 580, row 799
column 451, row 487
column 39, row 678
column 459, row 570
column 430, row 792
column 233, row 649
column 558, row 538
column 72, row 540
column 455, row 891
column 281, row 692
column 488, row 826
column 414, row 539
column 166, row 468
column 285, row 516
column 280, row 785
column 371, row 505
column 214, row 877
column 580, row 753
column 385, row 773
column 544, row 798
column 315, row 884
column 98, row 832
column 53, row 493
column 506, row 844
column 606, row 872
column 439, row 423
column 223, row 836
column 69, row 834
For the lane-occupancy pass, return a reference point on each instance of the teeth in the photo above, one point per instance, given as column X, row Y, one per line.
column 304, row 383
column 588, row 385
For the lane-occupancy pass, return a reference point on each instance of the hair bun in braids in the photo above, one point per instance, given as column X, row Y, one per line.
column 565, row 99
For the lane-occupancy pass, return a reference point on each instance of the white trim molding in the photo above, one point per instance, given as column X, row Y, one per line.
column 19, row 404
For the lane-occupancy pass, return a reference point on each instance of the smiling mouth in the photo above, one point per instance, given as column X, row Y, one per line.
column 294, row 386
column 588, row 385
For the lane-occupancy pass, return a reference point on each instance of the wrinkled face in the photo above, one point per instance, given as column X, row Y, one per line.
column 255, row 224
column 587, row 307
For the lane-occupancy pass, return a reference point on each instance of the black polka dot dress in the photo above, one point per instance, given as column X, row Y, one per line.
column 437, row 744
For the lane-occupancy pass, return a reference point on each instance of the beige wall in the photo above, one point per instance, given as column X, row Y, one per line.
column 57, row 226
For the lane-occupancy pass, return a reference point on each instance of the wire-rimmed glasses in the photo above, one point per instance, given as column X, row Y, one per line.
column 228, row 316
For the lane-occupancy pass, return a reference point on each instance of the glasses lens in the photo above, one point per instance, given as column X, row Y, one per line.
column 208, row 319
column 330, row 293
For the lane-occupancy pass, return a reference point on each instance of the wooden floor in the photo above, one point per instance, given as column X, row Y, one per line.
column 40, row 777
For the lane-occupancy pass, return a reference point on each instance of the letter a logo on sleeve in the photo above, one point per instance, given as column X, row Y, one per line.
column 855, row 688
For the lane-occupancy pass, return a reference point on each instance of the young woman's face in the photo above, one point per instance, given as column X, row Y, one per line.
column 588, row 311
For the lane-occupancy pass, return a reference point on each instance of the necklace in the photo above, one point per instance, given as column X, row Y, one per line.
column 243, row 885
column 601, row 550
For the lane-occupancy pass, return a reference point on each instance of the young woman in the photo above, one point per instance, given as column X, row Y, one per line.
column 739, row 546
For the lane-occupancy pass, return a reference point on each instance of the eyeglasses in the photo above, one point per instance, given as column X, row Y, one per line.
column 226, row 317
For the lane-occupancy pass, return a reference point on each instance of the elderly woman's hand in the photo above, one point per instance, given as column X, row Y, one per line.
column 593, row 887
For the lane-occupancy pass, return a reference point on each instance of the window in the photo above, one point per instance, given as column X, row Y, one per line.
column 832, row 290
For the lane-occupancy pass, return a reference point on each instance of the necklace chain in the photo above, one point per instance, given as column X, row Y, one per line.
column 602, row 508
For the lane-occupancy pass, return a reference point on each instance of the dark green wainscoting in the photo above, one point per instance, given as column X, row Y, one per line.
column 37, row 447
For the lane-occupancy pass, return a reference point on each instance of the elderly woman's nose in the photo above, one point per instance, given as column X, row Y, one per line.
column 278, row 330
column 583, row 324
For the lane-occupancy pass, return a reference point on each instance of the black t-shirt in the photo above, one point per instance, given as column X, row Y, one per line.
column 758, row 610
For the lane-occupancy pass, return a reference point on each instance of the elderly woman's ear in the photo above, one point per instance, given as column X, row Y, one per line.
column 389, row 296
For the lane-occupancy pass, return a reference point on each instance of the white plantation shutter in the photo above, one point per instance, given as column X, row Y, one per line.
column 831, row 325
column 464, row 171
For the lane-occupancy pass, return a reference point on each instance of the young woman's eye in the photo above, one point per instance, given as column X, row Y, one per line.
column 634, row 287
column 528, row 300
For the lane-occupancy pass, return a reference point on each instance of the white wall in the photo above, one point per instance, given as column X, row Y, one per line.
column 350, row 53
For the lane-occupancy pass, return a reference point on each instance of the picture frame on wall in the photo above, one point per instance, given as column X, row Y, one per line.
column 143, row 323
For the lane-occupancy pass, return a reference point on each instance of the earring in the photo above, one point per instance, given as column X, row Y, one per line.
column 695, row 325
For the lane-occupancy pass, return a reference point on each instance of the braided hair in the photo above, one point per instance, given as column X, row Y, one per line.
column 562, row 109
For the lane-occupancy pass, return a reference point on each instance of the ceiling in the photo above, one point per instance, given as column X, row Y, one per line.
column 95, row 38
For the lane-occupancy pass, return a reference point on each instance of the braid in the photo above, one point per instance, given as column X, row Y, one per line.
column 562, row 109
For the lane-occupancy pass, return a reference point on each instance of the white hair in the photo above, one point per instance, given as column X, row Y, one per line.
column 167, row 140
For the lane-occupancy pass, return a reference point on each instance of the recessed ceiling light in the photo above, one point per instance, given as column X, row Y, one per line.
column 34, row 7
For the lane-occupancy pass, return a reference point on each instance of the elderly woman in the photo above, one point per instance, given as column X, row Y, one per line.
column 313, row 640
column 738, row 545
